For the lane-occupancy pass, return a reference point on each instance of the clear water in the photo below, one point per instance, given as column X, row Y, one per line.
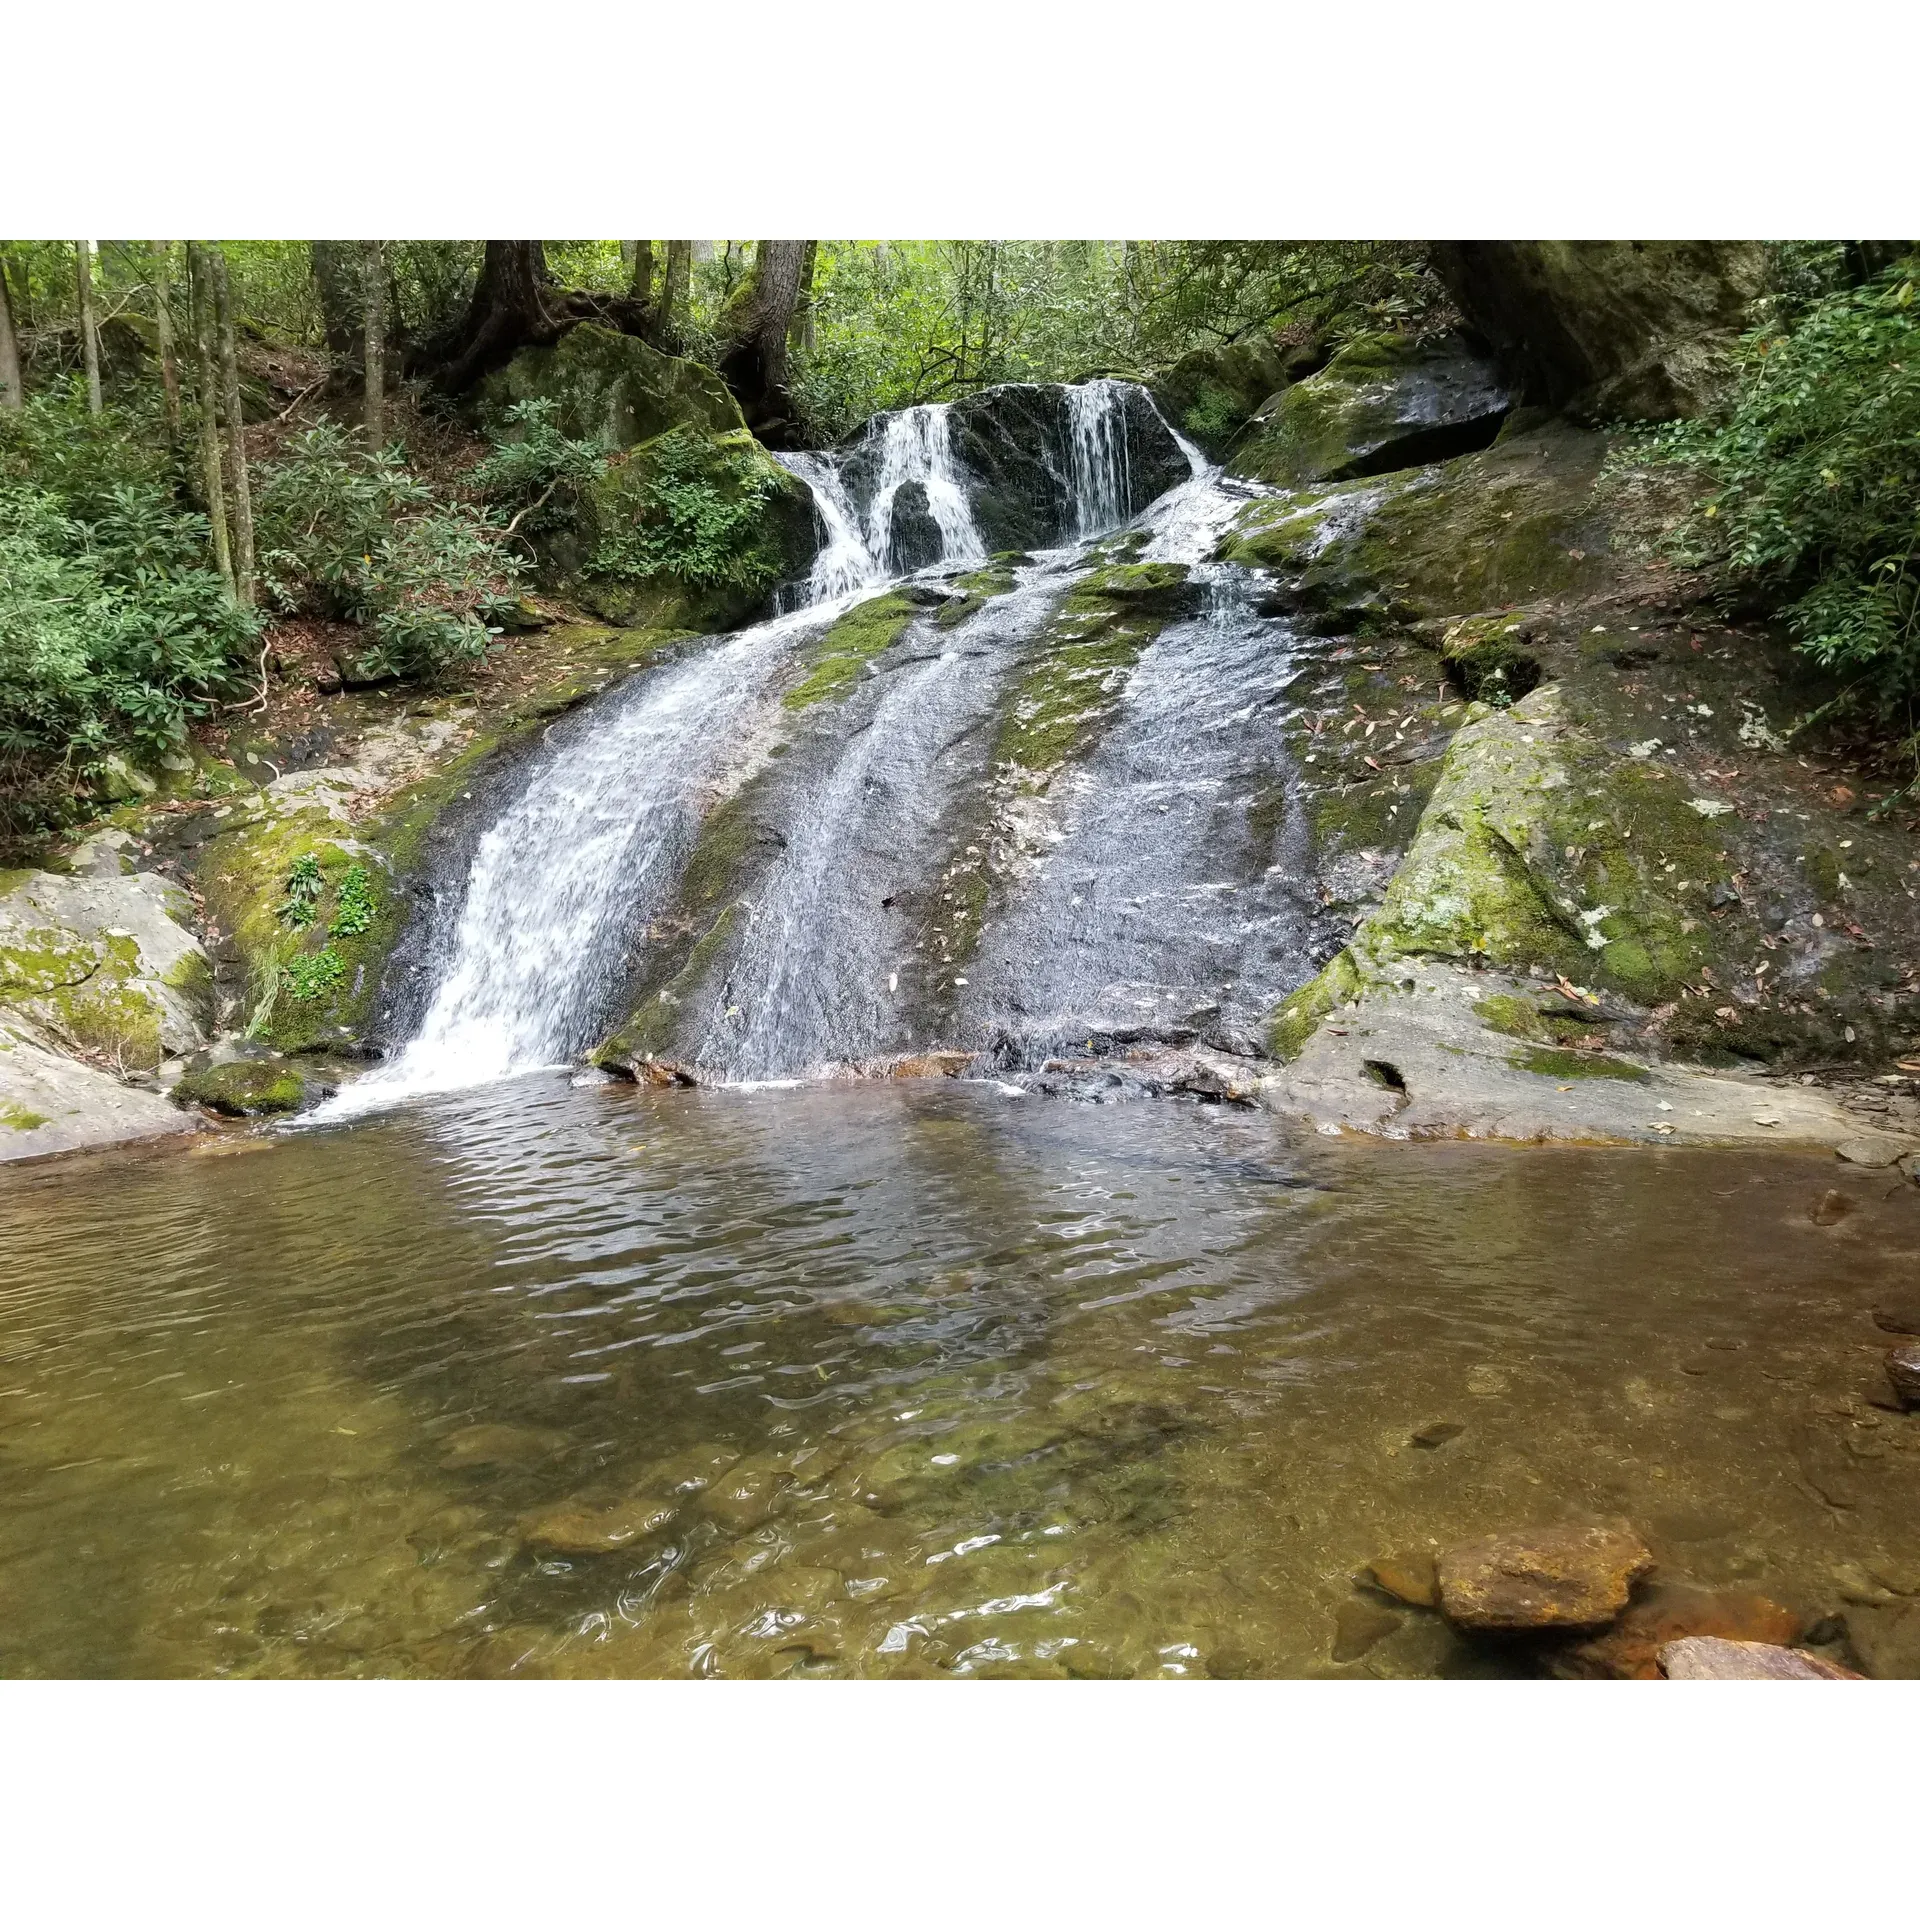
column 990, row 1385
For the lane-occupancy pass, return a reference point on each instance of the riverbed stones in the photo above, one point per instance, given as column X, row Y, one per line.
column 1663, row 1613
column 1898, row 1312
column 1830, row 1209
column 597, row 1524
column 1358, row 1627
column 1570, row 1576
column 1709, row 1658
column 1875, row 1150
column 1903, row 1375
column 1410, row 1577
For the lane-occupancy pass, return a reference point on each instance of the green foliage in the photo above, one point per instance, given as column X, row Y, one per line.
column 310, row 976
column 360, row 537
column 113, row 630
column 302, row 891
column 699, row 510
column 1813, row 471
column 354, row 907
column 534, row 470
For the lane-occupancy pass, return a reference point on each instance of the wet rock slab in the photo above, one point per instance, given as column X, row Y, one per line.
column 1707, row 1658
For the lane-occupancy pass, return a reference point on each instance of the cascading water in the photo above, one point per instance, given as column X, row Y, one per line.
column 605, row 821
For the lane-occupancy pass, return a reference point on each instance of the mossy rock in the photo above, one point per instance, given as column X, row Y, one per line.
column 613, row 388
column 835, row 661
column 1383, row 402
column 1077, row 666
column 974, row 590
column 1563, row 1063
column 616, row 557
column 1488, row 657
column 1211, row 393
column 1298, row 1017
column 243, row 1088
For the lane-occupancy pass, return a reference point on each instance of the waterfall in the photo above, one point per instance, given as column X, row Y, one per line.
column 1099, row 479
column 845, row 563
column 917, row 449
column 592, row 845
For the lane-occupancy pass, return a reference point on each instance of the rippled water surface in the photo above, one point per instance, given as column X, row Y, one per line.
column 900, row 1380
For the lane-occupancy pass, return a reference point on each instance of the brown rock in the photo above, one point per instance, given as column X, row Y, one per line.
column 1358, row 1626
column 746, row 1496
column 930, row 1066
column 1900, row 1314
column 663, row 1073
column 1903, row 1375
column 1556, row 1577
column 1407, row 1576
column 595, row 1525
column 1630, row 1648
column 1706, row 1658
column 1832, row 1207
column 1436, row 1433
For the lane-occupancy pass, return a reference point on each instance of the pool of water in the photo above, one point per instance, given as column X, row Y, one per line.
column 917, row 1380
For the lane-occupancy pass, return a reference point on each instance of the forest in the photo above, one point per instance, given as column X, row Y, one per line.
column 201, row 442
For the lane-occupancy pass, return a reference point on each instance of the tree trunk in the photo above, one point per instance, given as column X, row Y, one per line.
column 758, row 320
column 89, row 330
column 206, row 397
column 800, row 334
column 374, row 276
column 13, row 392
column 163, row 334
column 337, row 280
column 514, row 305
column 643, row 272
column 236, row 432
column 671, row 312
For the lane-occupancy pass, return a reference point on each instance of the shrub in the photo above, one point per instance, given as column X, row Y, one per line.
column 1813, row 472
column 360, row 537
column 695, row 519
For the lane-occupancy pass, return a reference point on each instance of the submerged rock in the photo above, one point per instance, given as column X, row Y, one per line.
column 1903, row 1375
column 1709, row 1658
column 1556, row 1577
column 1630, row 1649
column 1382, row 403
column 603, row 1525
column 1411, row 1577
column 1358, row 1627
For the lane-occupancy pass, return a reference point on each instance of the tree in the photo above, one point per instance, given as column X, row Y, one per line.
column 338, row 280
column 206, row 396
column 643, row 272
column 243, row 584
column 755, row 328
column 89, row 326
column 13, row 393
column 163, row 333
column 670, row 311
column 373, row 271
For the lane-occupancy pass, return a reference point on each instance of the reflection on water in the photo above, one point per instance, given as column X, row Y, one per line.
column 900, row 1380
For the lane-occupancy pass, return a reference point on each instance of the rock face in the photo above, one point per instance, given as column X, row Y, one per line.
column 1380, row 404
column 1609, row 329
column 1012, row 442
column 1213, row 392
column 1706, row 1658
column 50, row 1104
column 1557, row 1577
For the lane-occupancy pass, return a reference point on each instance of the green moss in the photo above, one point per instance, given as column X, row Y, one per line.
column 976, row 589
column 839, row 656
column 243, row 1087
column 1487, row 658
column 20, row 1119
column 1078, row 664
column 1508, row 1013
column 1298, row 1017
column 613, row 388
column 39, row 960
column 650, row 1031
column 1562, row 1063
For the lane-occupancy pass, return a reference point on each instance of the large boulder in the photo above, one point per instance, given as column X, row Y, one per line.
column 1012, row 444
column 1608, row 329
column 1212, row 392
column 1382, row 403
column 613, row 388
column 1556, row 1577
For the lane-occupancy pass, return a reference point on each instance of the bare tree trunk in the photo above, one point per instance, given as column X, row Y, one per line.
column 800, row 334
column 13, row 392
column 643, row 272
column 374, row 275
column 236, row 431
column 89, row 330
column 671, row 313
column 206, row 396
column 163, row 333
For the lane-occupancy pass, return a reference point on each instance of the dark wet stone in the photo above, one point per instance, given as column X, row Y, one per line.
column 1899, row 1313
column 1359, row 1626
column 1555, row 1577
column 1436, row 1433
column 1709, row 1658
column 1903, row 1375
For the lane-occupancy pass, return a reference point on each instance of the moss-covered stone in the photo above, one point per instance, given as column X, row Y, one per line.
column 1512, row 1015
column 974, row 590
column 1078, row 664
column 613, row 388
column 241, row 1088
column 1211, row 393
column 837, row 658
column 1487, row 657
column 1298, row 1017
column 20, row 1119
column 1383, row 402
column 1563, row 1063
